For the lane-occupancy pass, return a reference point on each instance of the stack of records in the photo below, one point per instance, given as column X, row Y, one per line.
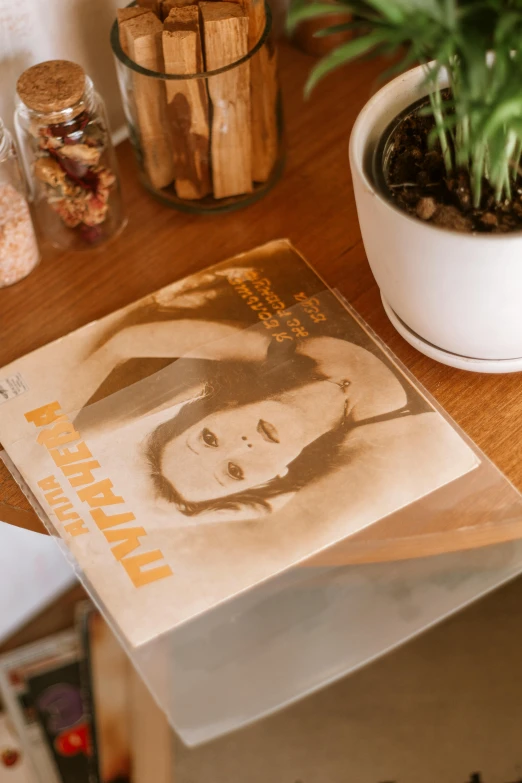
column 235, row 465
column 81, row 712
column 444, row 709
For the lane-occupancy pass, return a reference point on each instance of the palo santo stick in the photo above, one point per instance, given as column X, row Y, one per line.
column 263, row 97
column 143, row 36
column 168, row 5
column 187, row 103
column 124, row 15
column 151, row 5
column 185, row 18
column 225, row 27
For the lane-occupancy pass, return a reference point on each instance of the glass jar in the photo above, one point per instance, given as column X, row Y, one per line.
column 68, row 155
column 205, row 141
column 18, row 247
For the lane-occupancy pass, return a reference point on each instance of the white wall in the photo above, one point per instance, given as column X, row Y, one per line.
column 78, row 30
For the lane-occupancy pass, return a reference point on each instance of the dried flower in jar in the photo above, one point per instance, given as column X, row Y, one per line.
column 70, row 147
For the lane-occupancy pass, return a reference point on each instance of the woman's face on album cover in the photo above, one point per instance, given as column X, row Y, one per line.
column 234, row 450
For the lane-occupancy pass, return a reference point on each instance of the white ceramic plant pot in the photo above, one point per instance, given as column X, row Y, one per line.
column 456, row 297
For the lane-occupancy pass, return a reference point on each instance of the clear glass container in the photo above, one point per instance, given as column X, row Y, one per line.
column 18, row 246
column 205, row 141
column 68, row 156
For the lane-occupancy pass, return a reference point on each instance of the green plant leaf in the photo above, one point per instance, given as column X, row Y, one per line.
column 393, row 10
column 477, row 42
column 343, row 55
column 303, row 11
column 504, row 113
column 337, row 28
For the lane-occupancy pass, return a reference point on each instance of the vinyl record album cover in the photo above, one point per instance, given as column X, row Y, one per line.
column 56, row 696
column 13, row 764
column 216, row 433
column 106, row 681
column 16, row 670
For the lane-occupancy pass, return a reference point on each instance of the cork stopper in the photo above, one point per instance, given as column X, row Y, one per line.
column 51, row 86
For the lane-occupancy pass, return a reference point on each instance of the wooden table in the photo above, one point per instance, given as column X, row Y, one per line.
column 314, row 206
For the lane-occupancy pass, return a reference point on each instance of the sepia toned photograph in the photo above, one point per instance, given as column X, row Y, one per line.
column 246, row 420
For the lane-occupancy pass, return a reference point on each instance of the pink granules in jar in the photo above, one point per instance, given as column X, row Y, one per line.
column 18, row 248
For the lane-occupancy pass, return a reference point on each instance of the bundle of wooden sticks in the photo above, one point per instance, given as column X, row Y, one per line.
column 215, row 136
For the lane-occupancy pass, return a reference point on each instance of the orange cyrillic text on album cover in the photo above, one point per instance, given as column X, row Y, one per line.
column 77, row 465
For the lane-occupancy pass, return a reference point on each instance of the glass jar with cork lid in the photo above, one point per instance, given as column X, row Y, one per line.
column 68, row 155
column 18, row 248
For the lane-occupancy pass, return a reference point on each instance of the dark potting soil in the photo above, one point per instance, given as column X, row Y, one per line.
column 418, row 184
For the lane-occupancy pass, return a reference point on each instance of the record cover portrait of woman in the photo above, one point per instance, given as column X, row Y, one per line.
column 254, row 419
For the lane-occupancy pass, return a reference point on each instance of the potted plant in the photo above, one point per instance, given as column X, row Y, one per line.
column 436, row 165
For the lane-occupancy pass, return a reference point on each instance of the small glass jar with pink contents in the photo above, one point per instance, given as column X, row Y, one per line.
column 18, row 247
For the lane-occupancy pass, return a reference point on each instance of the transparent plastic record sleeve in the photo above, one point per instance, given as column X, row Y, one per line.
column 389, row 522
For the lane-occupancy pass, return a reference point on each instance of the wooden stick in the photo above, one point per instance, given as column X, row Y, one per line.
column 124, row 15
column 168, row 5
column 151, row 5
column 225, row 27
column 184, row 17
column 187, row 103
column 143, row 36
column 263, row 96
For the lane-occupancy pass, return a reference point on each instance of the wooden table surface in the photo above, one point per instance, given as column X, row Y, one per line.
column 313, row 205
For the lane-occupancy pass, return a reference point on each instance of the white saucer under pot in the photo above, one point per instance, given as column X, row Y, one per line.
column 456, row 297
column 445, row 357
